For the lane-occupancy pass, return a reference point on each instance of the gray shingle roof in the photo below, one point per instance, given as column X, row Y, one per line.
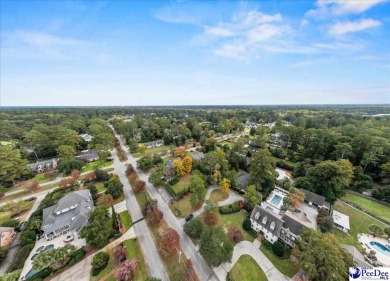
column 243, row 179
column 74, row 218
column 314, row 198
column 197, row 156
column 270, row 219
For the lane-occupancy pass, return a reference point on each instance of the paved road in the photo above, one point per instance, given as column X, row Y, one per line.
column 252, row 249
column 202, row 269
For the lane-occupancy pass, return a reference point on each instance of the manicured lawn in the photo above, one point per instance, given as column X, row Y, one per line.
column 164, row 149
column 15, row 209
column 182, row 184
column 40, row 178
column 236, row 220
column 183, row 207
column 373, row 207
column 100, row 187
column 134, row 251
column 247, row 269
column 359, row 223
column 285, row 265
column 94, row 165
column 217, row 195
column 119, row 199
column 126, row 219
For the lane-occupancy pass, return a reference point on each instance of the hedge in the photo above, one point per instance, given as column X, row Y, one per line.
column 231, row 208
column 173, row 192
column 278, row 249
column 21, row 257
column 248, row 228
column 76, row 256
column 285, row 165
column 40, row 275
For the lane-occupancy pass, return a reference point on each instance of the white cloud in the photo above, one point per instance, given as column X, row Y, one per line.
column 341, row 28
column 44, row 39
column 326, row 8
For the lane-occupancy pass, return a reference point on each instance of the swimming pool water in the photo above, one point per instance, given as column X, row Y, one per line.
column 30, row 273
column 276, row 200
column 381, row 248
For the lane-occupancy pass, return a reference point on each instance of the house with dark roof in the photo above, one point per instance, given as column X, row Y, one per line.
column 70, row 214
column 314, row 199
column 86, row 137
column 169, row 171
column 243, row 181
column 154, row 144
column 267, row 222
column 42, row 166
column 88, row 156
column 358, row 258
column 197, row 156
column 293, row 224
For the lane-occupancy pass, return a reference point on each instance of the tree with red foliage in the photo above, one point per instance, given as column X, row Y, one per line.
column 130, row 169
column 210, row 219
column 90, row 176
column 170, row 241
column 235, row 234
column 139, row 186
column 120, row 254
column 66, row 182
column 32, row 185
column 105, row 199
column 127, row 271
column 154, row 217
column 75, row 174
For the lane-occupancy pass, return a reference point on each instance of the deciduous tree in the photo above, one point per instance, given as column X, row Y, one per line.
column 180, row 152
column 215, row 247
column 375, row 230
column 225, row 185
column 127, row 271
column 55, row 258
column 13, row 167
column 170, row 241
column 99, row 227
column 66, row 151
column 235, row 234
column 187, row 164
column 139, row 186
column 262, row 169
column 119, row 254
column 32, row 185
column 252, row 197
column 178, row 167
column 194, row 228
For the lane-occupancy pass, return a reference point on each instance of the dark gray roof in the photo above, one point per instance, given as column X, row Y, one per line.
column 197, row 156
column 259, row 213
column 358, row 258
column 169, row 165
column 314, row 198
column 88, row 156
column 293, row 225
column 243, row 179
column 75, row 218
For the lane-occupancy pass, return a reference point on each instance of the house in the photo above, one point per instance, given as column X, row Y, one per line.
column 267, row 222
column 341, row 221
column 243, row 181
column 197, row 156
column 70, row 214
column 154, row 144
column 88, row 156
column 42, row 166
column 293, row 224
column 251, row 125
column 314, row 199
column 86, row 137
column 7, row 234
column 358, row 258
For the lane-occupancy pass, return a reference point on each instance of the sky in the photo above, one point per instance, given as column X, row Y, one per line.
column 130, row 53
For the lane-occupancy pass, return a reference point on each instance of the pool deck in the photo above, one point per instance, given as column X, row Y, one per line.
column 365, row 240
column 57, row 242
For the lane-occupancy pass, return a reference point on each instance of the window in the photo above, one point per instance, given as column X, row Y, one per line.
column 264, row 220
column 257, row 215
column 272, row 226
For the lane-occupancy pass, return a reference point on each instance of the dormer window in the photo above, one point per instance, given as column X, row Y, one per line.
column 272, row 225
column 257, row 215
column 264, row 221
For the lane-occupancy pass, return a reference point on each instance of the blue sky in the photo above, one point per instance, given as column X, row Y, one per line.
column 194, row 53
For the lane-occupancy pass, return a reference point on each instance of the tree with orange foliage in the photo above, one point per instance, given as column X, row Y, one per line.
column 170, row 241
column 139, row 186
column 180, row 152
column 295, row 197
column 187, row 164
column 105, row 199
column 66, row 182
column 32, row 185
column 225, row 185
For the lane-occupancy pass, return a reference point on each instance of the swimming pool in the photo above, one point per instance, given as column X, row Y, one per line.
column 49, row 247
column 381, row 248
column 30, row 273
column 276, row 200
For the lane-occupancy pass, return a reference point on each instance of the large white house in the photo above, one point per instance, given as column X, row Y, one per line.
column 267, row 222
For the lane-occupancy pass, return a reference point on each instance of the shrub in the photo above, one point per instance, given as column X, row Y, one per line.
column 3, row 253
column 20, row 257
column 278, row 249
column 27, row 237
column 235, row 234
column 101, row 175
column 9, row 223
column 194, row 228
column 139, row 186
column 76, row 256
column 40, row 275
column 99, row 262
column 154, row 217
column 229, row 209
column 247, row 224
column 266, row 244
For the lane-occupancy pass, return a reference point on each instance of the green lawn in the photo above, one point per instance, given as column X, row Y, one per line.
column 15, row 209
column 183, row 207
column 40, row 178
column 126, row 219
column 164, row 149
column 217, row 195
column 236, row 220
column 285, row 265
column 100, row 187
column 94, row 165
column 358, row 222
column 182, row 184
column 373, row 207
column 134, row 251
column 246, row 269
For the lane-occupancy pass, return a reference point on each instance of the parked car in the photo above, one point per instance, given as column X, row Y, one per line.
column 189, row 217
column 69, row 238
